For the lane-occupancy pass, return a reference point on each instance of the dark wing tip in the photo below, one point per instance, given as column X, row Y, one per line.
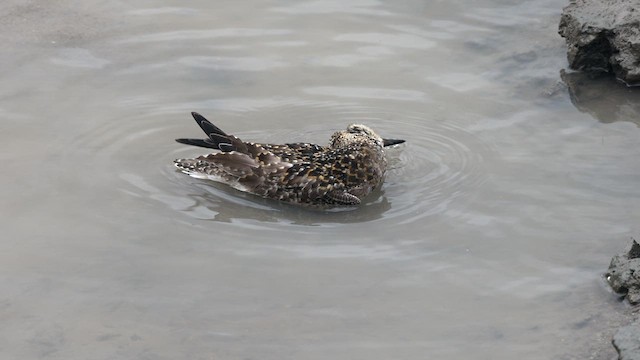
column 206, row 125
column 199, row 118
column 390, row 142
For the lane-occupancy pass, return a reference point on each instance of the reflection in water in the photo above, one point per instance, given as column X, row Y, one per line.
column 602, row 96
column 230, row 206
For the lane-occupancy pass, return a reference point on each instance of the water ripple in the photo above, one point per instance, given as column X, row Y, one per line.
column 360, row 7
column 206, row 34
column 440, row 164
column 368, row 93
column 232, row 63
column 409, row 41
column 80, row 58
column 163, row 10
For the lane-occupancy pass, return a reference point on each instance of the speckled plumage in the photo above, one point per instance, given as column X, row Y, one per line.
column 342, row 173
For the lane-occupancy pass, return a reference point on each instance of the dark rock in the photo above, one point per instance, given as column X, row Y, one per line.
column 627, row 342
column 624, row 274
column 634, row 253
column 603, row 35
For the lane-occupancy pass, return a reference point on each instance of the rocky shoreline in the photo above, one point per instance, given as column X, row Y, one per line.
column 603, row 36
column 624, row 277
column 603, row 42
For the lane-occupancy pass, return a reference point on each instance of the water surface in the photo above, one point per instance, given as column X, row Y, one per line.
column 487, row 241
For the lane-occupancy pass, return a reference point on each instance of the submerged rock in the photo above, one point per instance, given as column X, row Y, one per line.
column 603, row 35
column 624, row 274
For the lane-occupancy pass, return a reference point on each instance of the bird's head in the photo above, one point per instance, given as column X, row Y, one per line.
column 358, row 133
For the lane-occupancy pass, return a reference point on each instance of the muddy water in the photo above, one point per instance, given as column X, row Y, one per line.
column 487, row 241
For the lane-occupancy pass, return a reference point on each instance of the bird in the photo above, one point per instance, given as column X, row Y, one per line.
column 341, row 173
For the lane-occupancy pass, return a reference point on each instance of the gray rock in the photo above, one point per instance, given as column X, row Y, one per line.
column 624, row 274
column 627, row 342
column 603, row 35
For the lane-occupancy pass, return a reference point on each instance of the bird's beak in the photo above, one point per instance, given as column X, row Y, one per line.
column 389, row 142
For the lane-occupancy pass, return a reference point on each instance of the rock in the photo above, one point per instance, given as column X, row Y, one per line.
column 624, row 274
column 603, row 35
column 624, row 277
column 627, row 342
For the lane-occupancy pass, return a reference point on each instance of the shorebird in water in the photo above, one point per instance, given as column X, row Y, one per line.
column 340, row 174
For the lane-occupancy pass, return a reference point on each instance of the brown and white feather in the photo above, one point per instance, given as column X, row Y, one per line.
column 342, row 173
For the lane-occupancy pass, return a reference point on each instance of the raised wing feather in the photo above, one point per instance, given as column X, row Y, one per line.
column 217, row 139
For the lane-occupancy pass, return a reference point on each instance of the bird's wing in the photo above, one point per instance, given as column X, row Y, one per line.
column 224, row 166
column 321, row 177
column 217, row 139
